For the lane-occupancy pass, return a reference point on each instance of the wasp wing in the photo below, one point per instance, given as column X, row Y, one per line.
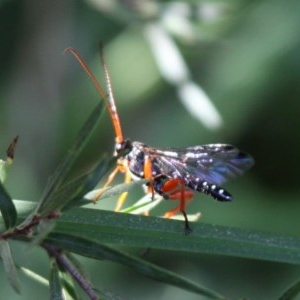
column 214, row 163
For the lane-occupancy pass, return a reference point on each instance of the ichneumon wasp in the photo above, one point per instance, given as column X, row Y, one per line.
column 173, row 173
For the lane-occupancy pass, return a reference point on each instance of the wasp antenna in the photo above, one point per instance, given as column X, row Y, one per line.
column 113, row 108
column 108, row 82
column 109, row 100
column 87, row 70
column 67, row 50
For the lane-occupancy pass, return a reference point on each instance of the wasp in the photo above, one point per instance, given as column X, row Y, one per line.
column 173, row 173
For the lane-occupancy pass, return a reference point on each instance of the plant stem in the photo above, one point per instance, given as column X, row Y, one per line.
column 65, row 263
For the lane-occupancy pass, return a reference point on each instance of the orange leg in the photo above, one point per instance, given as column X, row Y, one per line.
column 107, row 183
column 111, row 177
column 148, row 175
column 123, row 196
column 122, row 168
column 175, row 189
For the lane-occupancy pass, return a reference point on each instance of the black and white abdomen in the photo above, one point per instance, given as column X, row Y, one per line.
column 212, row 189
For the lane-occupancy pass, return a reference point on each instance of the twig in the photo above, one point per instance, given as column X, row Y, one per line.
column 65, row 263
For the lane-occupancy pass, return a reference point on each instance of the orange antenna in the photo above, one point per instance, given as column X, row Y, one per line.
column 109, row 101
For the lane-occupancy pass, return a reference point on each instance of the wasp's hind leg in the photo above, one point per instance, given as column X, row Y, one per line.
column 174, row 189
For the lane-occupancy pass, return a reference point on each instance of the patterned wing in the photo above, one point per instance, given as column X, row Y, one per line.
column 214, row 163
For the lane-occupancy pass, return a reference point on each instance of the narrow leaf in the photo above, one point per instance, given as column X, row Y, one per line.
column 144, row 205
column 76, row 189
column 68, row 286
column 24, row 207
column 292, row 292
column 7, row 208
column 3, row 170
column 140, row 231
column 9, row 266
column 6, row 164
column 94, row 249
column 64, row 167
column 56, row 291
column 116, row 190
column 34, row 276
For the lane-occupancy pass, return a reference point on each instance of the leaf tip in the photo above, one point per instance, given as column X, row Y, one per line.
column 10, row 152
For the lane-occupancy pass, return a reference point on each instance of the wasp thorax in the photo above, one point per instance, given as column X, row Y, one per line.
column 124, row 146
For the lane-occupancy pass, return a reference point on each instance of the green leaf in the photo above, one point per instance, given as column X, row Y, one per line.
column 141, row 231
column 116, row 190
column 95, row 249
column 24, row 207
column 76, row 189
column 7, row 208
column 292, row 292
column 68, row 286
column 145, row 204
column 6, row 164
column 34, row 276
column 9, row 266
column 56, row 291
column 61, row 284
column 70, row 291
column 64, row 167
column 3, row 170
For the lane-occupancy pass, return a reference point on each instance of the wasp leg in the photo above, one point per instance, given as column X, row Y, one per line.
column 174, row 189
column 123, row 196
column 107, row 183
column 148, row 175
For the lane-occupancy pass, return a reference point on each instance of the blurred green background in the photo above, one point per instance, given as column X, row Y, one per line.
column 245, row 56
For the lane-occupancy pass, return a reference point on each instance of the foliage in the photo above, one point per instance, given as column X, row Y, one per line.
column 62, row 230
column 246, row 56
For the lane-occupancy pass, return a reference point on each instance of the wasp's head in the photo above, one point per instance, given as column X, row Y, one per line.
column 123, row 148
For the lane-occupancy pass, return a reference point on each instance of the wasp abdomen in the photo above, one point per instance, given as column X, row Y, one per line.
column 215, row 191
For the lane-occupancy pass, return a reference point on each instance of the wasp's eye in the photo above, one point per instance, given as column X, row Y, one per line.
column 124, row 146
